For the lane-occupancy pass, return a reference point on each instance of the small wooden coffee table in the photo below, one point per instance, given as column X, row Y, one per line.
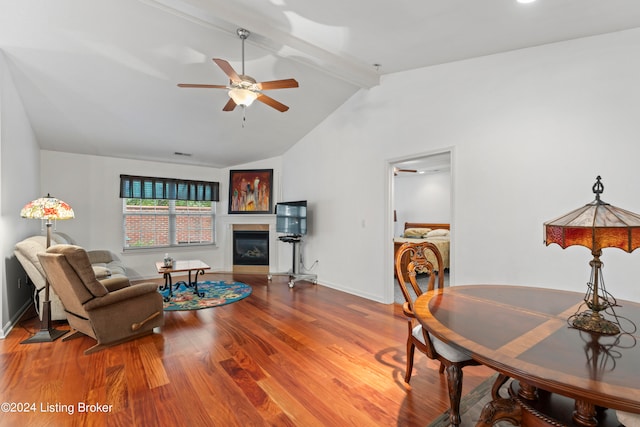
column 194, row 265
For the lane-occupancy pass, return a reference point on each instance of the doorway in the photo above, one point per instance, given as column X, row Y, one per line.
column 420, row 192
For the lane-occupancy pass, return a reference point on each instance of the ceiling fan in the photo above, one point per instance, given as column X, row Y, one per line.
column 244, row 89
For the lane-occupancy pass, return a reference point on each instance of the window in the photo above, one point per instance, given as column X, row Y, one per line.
column 162, row 212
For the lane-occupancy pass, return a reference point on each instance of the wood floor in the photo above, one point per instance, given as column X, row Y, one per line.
column 307, row 356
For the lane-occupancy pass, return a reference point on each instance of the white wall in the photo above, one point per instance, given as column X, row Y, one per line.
column 92, row 190
column 19, row 184
column 421, row 198
column 529, row 132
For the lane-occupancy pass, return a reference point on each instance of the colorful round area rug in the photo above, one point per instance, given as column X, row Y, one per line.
column 216, row 293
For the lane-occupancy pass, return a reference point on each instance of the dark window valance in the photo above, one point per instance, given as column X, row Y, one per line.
column 145, row 187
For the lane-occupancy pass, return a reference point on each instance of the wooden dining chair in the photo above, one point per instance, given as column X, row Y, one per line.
column 425, row 258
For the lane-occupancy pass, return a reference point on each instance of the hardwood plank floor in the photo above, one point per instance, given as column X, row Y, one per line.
column 307, row 356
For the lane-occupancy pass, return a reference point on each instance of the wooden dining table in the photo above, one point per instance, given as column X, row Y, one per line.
column 560, row 375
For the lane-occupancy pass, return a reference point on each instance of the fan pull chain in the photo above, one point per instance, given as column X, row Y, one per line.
column 244, row 117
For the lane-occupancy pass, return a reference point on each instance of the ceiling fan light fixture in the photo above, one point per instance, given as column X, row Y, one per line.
column 241, row 96
column 243, row 89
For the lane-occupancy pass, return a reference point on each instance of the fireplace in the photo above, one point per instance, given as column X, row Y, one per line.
column 250, row 248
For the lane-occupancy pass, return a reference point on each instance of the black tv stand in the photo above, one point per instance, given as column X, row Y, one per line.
column 291, row 238
column 295, row 274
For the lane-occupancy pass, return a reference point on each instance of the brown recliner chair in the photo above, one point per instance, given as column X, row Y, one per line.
column 111, row 312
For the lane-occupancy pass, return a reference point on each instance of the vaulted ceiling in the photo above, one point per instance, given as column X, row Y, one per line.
column 100, row 77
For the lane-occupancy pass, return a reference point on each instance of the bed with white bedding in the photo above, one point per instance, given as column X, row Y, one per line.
column 436, row 233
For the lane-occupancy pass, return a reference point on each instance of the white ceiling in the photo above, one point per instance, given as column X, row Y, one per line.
column 99, row 77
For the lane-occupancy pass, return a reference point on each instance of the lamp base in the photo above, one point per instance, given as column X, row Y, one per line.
column 47, row 333
column 44, row 335
column 592, row 321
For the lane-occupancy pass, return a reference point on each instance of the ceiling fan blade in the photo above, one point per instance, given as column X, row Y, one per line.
column 277, row 84
column 228, row 69
column 272, row 102
column 230, row 105
column 203, row 86
column 397, row 170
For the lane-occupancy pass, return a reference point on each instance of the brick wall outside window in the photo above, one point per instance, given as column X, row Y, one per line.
column 149, row 226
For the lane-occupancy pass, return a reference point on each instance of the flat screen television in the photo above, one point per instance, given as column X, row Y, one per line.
column 291, row 218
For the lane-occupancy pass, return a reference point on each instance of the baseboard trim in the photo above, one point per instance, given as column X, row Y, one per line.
column 6, row 329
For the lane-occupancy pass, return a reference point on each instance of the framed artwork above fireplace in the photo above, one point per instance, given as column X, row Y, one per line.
column 250, row 191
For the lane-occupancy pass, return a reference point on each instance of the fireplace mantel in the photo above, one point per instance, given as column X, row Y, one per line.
column 249, row 222
column 250, row 240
